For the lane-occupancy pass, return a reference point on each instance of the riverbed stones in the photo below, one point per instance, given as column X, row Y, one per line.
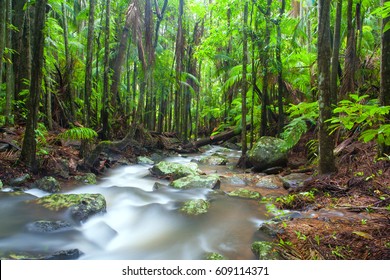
column 269, row 182
column 197, row 181
column 48, row 226
column 48, row 184
column 81, row 206
column 215, row 159
column 268, row 152
column 245, row 193
column 88, row 178
column 195, row 207
column 144, row 160
column 294, row 180
column 174, row 170
column 265, row 250
column 21, row 180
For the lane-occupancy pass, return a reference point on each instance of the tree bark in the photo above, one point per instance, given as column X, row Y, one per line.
column 336, row 52
column 385, row 75
column 9, row 72
column 28, row 154
column 244, row 86
column 280, row 68
column 106, row 77
column 3, row 8
column 326, row 143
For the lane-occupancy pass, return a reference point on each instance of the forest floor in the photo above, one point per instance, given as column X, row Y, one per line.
column 347, row 213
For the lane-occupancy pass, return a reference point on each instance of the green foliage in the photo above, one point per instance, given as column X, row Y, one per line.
column 78, row 133
column 40, row 137
column 383, row 12
column 357, row 114
column 300, row 114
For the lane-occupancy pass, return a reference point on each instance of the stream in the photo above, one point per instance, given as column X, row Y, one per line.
column 140, row 223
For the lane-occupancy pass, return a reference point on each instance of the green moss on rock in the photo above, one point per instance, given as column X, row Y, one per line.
column 214, row 256
column 88, row 178
column 244, row 193
column 195, row 207
column 264, row 250
column 197, row 181
column 174, row 170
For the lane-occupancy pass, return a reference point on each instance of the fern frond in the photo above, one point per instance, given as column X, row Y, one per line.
column 78, row 133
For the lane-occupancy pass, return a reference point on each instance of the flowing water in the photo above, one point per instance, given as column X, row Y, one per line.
column 140, row 223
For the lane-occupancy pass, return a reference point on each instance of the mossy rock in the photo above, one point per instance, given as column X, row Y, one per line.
column 88, row 178
column 174, row 170
column 195, row 207
column 244, row 193
column 268, row 152
column 196, row 182
column 48, row 184
column 214, row 256
column 144, row 160
column 214, row 159
column 20, row 180
column 81, row 206
column 265, row 250
column 72, row 254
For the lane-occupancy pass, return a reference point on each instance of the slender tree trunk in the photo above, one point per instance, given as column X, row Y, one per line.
column 385, row 76
column 88, row 64
column 265, row 62
column 3, row 9
column 244, row 87
column 9, row 68
column 28, row 154
column 348, row 82
column 326, row 143
column 280, row 68
column 106, row 76
column 336, row 52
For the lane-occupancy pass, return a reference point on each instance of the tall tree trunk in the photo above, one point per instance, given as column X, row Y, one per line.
column 385, row 76
column 336, row 52
column 28, row 154
column 244, row 87
column 280, row 68
column 348, row 82
column 179, row 53
column 106, row 77
column 265, row 62
column 3, row 9
column 9, row 68
column 326, row 143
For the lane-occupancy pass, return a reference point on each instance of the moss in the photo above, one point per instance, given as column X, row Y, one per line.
column 264, row 250
column 197, row 181
column 195, row 207
column 56, row 202
column 88, row 178
column 244, row 193
column 214, row 256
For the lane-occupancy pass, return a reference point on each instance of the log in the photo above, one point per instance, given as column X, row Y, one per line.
column 222, row 137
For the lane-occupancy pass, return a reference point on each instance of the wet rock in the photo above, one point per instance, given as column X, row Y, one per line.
column 264, row 250
column 58, row 167
column 48, row 184
column 273, row 170
column 81, row 206
column 214, row 159
column 195, row 207
column 72, row 254
column 237, row 181
column 100, row 233
column 174, row 170
column 144, row 160
column 268, row 152
column 271, row 229
column 158, row 186
column 16, row 182
column 270, row 182
column 244, row 193
column 287, row 216
column 294, row 180
column 197, row 181
column 48, row 226
column 214, row 256
column 231, row 146
column 88, row 178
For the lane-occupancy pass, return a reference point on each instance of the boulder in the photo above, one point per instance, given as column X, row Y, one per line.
column 214, row 159
column 244, row 193
column 88, row 178
column 48, row 184
column 294, row 180
column 195, row 207
column 197, row 181
column 81, row 206
column 48, row 226
column 268, row 152
column 264, row 250
column 174, row 170
column 270, row 182
column 16, row 182
column 144, row 160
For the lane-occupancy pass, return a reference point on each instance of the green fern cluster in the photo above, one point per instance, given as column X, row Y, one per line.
column 78, row 133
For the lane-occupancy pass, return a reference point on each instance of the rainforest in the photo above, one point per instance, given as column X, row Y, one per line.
column 195, row 129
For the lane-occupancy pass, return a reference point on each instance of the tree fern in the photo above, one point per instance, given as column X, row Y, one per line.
column 78, row 133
